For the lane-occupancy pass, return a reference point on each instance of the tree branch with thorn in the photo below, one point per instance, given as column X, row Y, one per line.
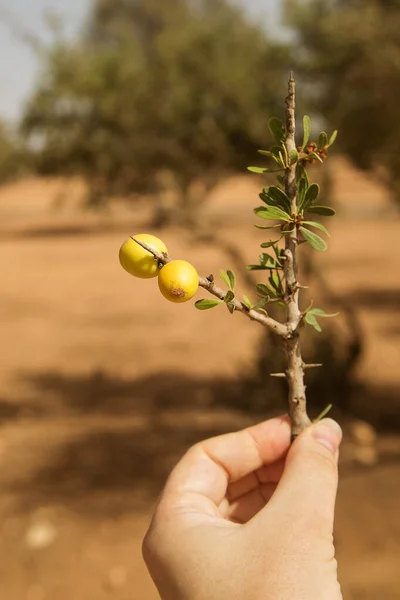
column 286, row 206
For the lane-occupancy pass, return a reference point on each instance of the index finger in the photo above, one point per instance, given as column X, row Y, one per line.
column 201, row 478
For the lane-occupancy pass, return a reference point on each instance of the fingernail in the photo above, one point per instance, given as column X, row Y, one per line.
column 328, row 433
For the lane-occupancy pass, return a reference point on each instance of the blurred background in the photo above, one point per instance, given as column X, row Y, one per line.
column 124, row 116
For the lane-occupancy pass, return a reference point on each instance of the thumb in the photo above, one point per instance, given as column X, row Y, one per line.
column 307, row 490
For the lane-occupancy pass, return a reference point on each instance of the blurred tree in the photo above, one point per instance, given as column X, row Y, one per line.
column 351, row 48
column 14, row 157
column 156, row 90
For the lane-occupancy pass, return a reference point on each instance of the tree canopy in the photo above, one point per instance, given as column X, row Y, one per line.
column 153, row 85
column 350, row 55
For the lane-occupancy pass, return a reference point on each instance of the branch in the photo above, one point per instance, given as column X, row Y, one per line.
column 208, row 284
column 295, row 370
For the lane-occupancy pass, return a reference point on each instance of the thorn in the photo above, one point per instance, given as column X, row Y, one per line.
column 210, row 278
column 278, row 375
column 323, row 413
column 312, row 366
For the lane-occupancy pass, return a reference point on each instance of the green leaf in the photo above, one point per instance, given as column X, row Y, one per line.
column 317, row 226
column 278, row 198
column 313, row 239
column 322, row 140
column 262, row 170
column 321, row 313
column 277, row 129
column 206, row 304
column 267, row 226
column 232, row 279
column 306, row 129
column 260, row 304
column 267, row 244
column 247, row 301
column 225, row 278
column 332, row 138
column 301, row 173
column 275, row 281
column 264, row 290
column 301, row 193
column 281, row 304
column 289, row 230
column 229, row 296
column 293, row 157
column 271, row 212
column 278, row 253
column 276, row 152
column 257, row 268
column 228, row 277
column 325, row 211
column 256, row 169
column 263, row 195
column 315, row 156
column 265, row 152
column 311, row 195
column 272, row 292
column 231, row 307
column 311, row 320
column 268, row 261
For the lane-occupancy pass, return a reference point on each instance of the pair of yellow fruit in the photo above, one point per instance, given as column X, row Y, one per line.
column 178, row 280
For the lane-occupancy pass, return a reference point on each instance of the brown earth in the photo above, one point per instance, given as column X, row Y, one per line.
column 104, row 385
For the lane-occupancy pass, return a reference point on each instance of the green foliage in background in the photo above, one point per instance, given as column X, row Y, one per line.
column 352, row 49
column 14, row 158
column 155, row 86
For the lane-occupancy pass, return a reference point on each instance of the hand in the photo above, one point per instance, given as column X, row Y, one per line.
column 246, row 516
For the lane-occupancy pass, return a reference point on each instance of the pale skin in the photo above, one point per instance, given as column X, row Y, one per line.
column 246, row 516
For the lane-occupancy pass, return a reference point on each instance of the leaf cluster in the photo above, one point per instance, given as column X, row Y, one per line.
column 287, row 216
column 278, row 206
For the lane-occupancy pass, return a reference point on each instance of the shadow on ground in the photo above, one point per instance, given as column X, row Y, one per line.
column 103, row 444
column 376, row 299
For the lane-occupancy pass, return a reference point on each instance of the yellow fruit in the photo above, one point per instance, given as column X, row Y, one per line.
column 138, row 261
column 178, row 281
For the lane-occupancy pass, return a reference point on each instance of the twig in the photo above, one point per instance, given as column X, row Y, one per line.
column 289, row 331
column 208, row 284
column 295, row 371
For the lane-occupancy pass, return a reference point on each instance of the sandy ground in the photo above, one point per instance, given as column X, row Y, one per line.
column 103, row 386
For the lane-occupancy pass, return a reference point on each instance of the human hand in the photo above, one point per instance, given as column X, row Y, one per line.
column 247, row 516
